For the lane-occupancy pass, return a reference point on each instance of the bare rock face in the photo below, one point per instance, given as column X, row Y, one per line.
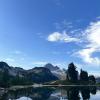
column 51, row 67
column 56, row 71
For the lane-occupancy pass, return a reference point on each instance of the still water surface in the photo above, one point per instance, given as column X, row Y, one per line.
column 54, row 93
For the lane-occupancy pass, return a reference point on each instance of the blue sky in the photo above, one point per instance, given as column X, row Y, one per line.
column 35, row 32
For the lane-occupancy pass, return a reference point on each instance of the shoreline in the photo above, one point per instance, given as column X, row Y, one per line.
column 40, row 85
column 14, row 88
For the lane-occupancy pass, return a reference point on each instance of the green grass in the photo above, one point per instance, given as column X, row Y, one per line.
column 61, row 82
column 98, row 84
column 65, row 82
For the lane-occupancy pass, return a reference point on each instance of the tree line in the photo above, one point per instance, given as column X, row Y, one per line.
column 73, row 75
column 6, row 80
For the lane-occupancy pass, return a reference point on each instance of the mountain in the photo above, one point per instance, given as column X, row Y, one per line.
column 36, row 75
column 3, row 66
column 56, row 71
column 41, row 75
column 13, row 71
column 51, row 67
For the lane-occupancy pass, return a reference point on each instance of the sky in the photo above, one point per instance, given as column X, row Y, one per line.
column 36, row 32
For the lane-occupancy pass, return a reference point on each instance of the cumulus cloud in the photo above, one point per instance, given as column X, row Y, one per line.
column 86, row 55
column 92, row 36
column 61, row 37
column 88, row 40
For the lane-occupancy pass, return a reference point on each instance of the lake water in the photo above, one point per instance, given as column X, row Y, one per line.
column 54, row 93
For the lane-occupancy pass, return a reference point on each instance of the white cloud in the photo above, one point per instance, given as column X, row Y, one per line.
column 62, row 37
column 92, row 37
column 9, row 60
column 86, row 55
column 88, row 40
column 93, row 34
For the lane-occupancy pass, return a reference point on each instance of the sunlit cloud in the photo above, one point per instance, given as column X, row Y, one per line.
column 88, row 39
column 92, row 37
column 61, row 37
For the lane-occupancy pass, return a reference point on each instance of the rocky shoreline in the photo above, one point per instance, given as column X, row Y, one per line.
column 3, row 91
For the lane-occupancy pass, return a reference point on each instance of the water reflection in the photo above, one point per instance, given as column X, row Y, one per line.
column 73, row 93
column 52, row 93
column 85, row 92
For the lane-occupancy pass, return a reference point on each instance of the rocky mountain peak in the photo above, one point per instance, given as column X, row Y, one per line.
column 51, row 67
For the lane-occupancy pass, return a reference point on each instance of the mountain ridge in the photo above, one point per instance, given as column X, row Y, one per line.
column 36, row 74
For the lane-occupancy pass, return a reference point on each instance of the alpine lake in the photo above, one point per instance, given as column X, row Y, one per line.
column 53, row 93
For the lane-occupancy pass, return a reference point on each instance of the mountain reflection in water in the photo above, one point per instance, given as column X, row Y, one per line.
column 54, row 93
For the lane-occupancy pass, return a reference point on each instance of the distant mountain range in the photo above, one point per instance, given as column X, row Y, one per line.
column 18, row 76
column 43, row 74
column 37, row 74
